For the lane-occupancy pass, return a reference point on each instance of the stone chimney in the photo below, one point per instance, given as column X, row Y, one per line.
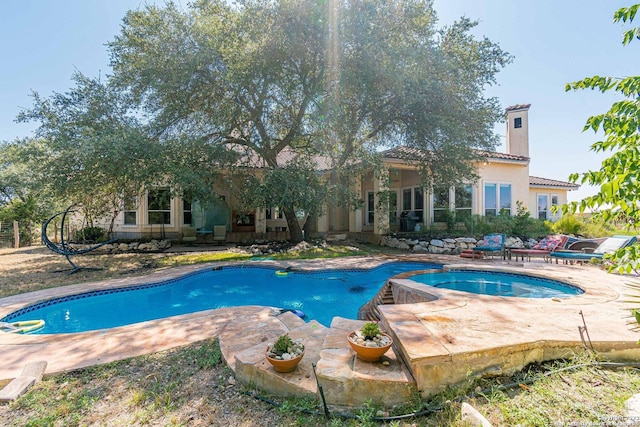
column 517, row 117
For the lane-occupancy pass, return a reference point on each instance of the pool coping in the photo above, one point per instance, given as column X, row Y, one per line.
column 71, row 351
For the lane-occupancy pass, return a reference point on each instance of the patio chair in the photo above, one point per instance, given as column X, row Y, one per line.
column 491, row 244
column 610, row 245
column 543, row 248
column 189, row 235
column 219, row 233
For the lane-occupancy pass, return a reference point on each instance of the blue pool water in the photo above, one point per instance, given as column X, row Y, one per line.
column 320, row 295
column 498, row 284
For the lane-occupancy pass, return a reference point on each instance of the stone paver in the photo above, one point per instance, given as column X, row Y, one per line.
column 349, row 382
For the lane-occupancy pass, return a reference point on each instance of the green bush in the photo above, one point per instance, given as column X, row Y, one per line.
column 569, row 224
column 90, row 234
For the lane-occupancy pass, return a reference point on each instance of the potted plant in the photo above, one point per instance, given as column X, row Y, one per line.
column 285, row 353
column 369, row 342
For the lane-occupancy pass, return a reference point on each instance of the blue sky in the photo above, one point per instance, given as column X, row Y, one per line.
column 553, row 42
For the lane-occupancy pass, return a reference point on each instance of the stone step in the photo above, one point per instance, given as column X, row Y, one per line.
column 350, row 382
column 252, row 367
column 31, row 374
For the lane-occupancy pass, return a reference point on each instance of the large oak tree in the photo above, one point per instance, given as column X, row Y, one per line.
column 274, row 92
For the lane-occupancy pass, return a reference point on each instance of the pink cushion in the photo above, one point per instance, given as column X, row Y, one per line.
column 549, row 243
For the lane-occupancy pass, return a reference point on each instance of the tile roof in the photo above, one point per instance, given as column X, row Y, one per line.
column 414, row 154
column 545, row 182
column 517, row 107
column 249, row 158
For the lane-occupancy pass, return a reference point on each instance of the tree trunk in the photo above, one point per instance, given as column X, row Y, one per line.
column 295, row 232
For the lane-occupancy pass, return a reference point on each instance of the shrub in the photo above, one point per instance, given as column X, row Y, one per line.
column 90, row 234
column 569, row 224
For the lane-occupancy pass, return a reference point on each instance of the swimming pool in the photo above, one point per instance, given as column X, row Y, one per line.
column 498, row 284
column 321, row 295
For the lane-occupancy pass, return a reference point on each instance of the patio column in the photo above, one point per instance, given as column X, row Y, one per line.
column 355, row 215
column 323, row 221
column 381, row 216
column 261, row 220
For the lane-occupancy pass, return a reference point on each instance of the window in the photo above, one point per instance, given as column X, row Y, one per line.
column 463, row 202
column 418, row 205
column 517, row 122
column 159, row 206
column 413, row 201
column 505, row 199
column 370, row 207
column 497, row 199
column 555, row 213
column 393, row 207
column 274, row 213
column 130, row 210
column 543, row 208
column 187, row 218
column 457, row 198
column 441, row 204
column 406, row 199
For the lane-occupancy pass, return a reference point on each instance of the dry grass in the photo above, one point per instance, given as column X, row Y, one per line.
column 34, row 268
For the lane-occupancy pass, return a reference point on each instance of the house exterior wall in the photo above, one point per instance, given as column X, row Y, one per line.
column 516, row 175
column 553, row 195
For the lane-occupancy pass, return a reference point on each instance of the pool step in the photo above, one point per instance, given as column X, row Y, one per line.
column 346, row 381
column 369, row 311
column 252, row 367
column 349, row 382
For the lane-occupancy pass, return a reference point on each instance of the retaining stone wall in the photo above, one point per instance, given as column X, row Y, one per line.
column 453, row 246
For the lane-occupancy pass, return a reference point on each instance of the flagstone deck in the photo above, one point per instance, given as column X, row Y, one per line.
column 436, row 343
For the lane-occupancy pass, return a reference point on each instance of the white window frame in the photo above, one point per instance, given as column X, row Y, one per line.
column 538, row 205
column 169, row 210
column 130, row 209
column 184, row 211
column 394, row 215
column 452, row 206
column 554, row 216
column 435, row 209
column 370, row 211
column 498, row 186
column 413, row 201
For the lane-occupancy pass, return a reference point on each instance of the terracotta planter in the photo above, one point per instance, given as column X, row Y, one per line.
column 285, row 365
column 369, row 354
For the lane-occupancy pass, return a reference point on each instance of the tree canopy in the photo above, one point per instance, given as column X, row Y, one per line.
column 266, row 89
column 619, row 189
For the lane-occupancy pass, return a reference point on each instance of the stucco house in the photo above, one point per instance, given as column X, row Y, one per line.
column 503, row 181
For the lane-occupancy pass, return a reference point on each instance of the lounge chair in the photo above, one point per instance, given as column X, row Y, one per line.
column 543, row 248
column 610, row 245
column 491, row 244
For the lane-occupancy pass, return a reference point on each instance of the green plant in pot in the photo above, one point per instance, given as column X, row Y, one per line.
column 285, row 354
column 369, row 342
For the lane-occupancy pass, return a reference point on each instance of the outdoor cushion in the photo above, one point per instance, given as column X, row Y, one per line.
column 543, row 247
column 550, row 243
column 614, row 243
column 491, row 242
column 611, row 244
